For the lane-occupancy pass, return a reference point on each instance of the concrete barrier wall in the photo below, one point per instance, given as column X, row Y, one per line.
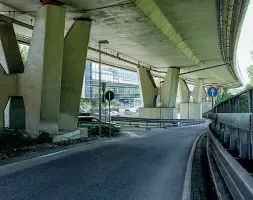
column 234, row 130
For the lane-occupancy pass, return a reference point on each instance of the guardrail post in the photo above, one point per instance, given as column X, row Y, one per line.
column 222, row 131
column 217, row 128
column 226, row 135
column 243, row 144
column 233, row 138
column 250, row 137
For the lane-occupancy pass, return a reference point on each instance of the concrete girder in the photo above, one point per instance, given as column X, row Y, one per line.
column 150, row 9
column 41, row 82
column 75, row 53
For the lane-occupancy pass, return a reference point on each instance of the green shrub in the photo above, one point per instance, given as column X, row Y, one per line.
column 93, row 130
column 10, row 138
column 44, row 137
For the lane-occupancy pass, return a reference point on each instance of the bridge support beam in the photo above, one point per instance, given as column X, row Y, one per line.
column 191, row 110
column 11, row 66
column 75, row 53
column 41, row 83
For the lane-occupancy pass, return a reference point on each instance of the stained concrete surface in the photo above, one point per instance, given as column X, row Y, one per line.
column 151, row 167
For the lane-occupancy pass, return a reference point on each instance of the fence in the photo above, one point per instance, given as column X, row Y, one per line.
column 240, row 103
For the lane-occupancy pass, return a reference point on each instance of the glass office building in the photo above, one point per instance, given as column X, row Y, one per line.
column 123, row 83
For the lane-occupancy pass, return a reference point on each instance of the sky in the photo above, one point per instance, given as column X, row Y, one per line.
column 245, row 43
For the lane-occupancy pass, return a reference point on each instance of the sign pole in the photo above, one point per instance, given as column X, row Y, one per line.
column 110, row 131
column 212, row 105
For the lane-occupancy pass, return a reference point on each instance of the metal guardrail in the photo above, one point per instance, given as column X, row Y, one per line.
column 238, row 180
column 130, row 121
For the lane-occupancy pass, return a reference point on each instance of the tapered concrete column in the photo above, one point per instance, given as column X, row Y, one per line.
column 191, row 110
column 41, row 83
column 148, row 88
column 75, row 53
column 197, row 92
column 11, row 65
column 184, row 91
column 8, row 87
column 15, row 113
column 169, row 88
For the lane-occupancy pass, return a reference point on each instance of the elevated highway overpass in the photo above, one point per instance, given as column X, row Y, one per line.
column 187, row 41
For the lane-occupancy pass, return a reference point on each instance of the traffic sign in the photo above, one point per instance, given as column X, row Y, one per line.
column 109, row 95
column 212, row 92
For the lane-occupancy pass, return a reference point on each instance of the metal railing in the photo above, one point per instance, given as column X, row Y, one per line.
column 155, row 123
column 240, row 103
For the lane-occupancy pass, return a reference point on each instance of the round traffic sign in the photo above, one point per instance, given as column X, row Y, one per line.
column 212, row 91
column 109, row 95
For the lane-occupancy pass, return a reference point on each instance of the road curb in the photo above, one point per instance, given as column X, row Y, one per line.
column 188, row 174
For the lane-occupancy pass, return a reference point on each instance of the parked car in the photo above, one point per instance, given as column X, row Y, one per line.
column 82, row 120
column 88, row 119
column 127, row 112
column 92, row 123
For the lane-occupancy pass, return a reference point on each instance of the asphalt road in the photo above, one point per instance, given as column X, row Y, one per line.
column 150, row 167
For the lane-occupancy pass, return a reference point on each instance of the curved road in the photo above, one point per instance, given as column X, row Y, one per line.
column 149, row 167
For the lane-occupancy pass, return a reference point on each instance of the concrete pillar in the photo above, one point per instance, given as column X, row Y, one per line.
column 184, row 91
column 148, row 88
column 168, row 94
column 75, row 53
column 225, row 90
column 11, row 65
column 10, row 57
column 15, row 113
column 197, row 92
column 41, row 83
column 192, row 110
column 169, row 88
column 233, row 138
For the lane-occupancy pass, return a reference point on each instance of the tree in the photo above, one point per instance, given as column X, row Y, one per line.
column 223, row 97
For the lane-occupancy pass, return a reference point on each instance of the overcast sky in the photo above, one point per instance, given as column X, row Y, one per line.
column 245, row 43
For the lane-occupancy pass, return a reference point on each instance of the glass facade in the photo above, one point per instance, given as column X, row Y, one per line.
column 123, row 83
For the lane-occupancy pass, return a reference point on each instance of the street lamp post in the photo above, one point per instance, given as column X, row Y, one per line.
column 99, row 84
column 189, row 95
column 161, row 102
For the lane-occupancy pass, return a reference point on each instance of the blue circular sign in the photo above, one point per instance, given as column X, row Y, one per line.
column 212, row 92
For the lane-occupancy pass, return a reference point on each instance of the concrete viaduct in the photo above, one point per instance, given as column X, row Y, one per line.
column 178, row 42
